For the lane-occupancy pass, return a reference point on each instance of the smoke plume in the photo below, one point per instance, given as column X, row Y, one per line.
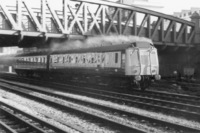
column 97, row 41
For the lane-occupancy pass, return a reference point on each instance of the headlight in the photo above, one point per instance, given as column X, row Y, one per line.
column 157, row 77
column 135, row 71
column 153, row 71
column 138, row 78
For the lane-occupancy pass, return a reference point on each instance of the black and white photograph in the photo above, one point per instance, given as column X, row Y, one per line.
column 99, row 66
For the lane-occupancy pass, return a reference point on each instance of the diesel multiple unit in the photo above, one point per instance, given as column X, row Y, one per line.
column 124, row 64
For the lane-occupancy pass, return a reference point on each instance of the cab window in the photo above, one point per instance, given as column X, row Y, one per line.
column 116, row 57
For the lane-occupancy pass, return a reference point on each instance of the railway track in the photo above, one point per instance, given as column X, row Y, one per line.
column 166, row 103
column 136, row 117
column 181, row 98
column 13, row 120
column 103, row 121
column 182, row 87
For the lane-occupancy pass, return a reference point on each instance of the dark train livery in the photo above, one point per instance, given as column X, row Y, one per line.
column 119, row 65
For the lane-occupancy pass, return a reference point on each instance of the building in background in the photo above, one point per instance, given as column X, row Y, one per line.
column 186, row 14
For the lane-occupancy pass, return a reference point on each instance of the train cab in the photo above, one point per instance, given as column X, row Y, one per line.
column 142, row 62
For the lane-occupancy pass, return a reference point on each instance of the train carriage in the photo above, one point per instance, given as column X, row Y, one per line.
column 134, row 63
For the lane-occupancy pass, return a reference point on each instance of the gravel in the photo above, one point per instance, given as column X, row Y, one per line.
column 68, row 118
column 143, row 112
column 159, row 116
column 36, row 114
column 49, row 114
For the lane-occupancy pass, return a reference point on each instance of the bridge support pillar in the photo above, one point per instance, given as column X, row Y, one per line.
column 196, row 19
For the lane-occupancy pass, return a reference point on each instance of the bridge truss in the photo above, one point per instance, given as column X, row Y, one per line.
column 24, row 25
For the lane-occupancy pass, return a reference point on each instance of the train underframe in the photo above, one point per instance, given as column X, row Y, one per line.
column 127, row 82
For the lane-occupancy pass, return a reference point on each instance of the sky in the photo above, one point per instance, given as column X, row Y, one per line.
column 170, row 6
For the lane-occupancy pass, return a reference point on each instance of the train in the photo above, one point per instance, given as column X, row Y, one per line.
column 132, row 65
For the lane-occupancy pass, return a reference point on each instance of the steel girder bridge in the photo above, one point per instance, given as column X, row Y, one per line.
column 24, row 26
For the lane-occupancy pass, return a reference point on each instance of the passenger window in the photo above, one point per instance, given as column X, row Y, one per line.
column 76, row 59
column 92, row 61
column 38, row 59
column 116, row 57
column 66, row 59
column 63, row 59
column 70, row 59
column 58, row 58
column 44, row 59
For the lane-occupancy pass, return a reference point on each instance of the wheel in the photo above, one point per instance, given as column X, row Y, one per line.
column 132, row 84
column 143, row 86
column 145, row 83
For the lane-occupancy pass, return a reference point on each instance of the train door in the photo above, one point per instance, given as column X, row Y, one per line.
column 149, row 61
column 132, row 65
column 144, row 58
column 154, row 62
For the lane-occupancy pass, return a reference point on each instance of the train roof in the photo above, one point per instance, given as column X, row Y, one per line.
column 106, row 48
column 110, row 48
column 36, row 53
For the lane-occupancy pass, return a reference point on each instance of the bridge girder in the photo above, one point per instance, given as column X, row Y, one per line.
column 90, row 18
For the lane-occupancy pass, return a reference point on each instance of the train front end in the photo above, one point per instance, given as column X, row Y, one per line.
column 142, row 64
